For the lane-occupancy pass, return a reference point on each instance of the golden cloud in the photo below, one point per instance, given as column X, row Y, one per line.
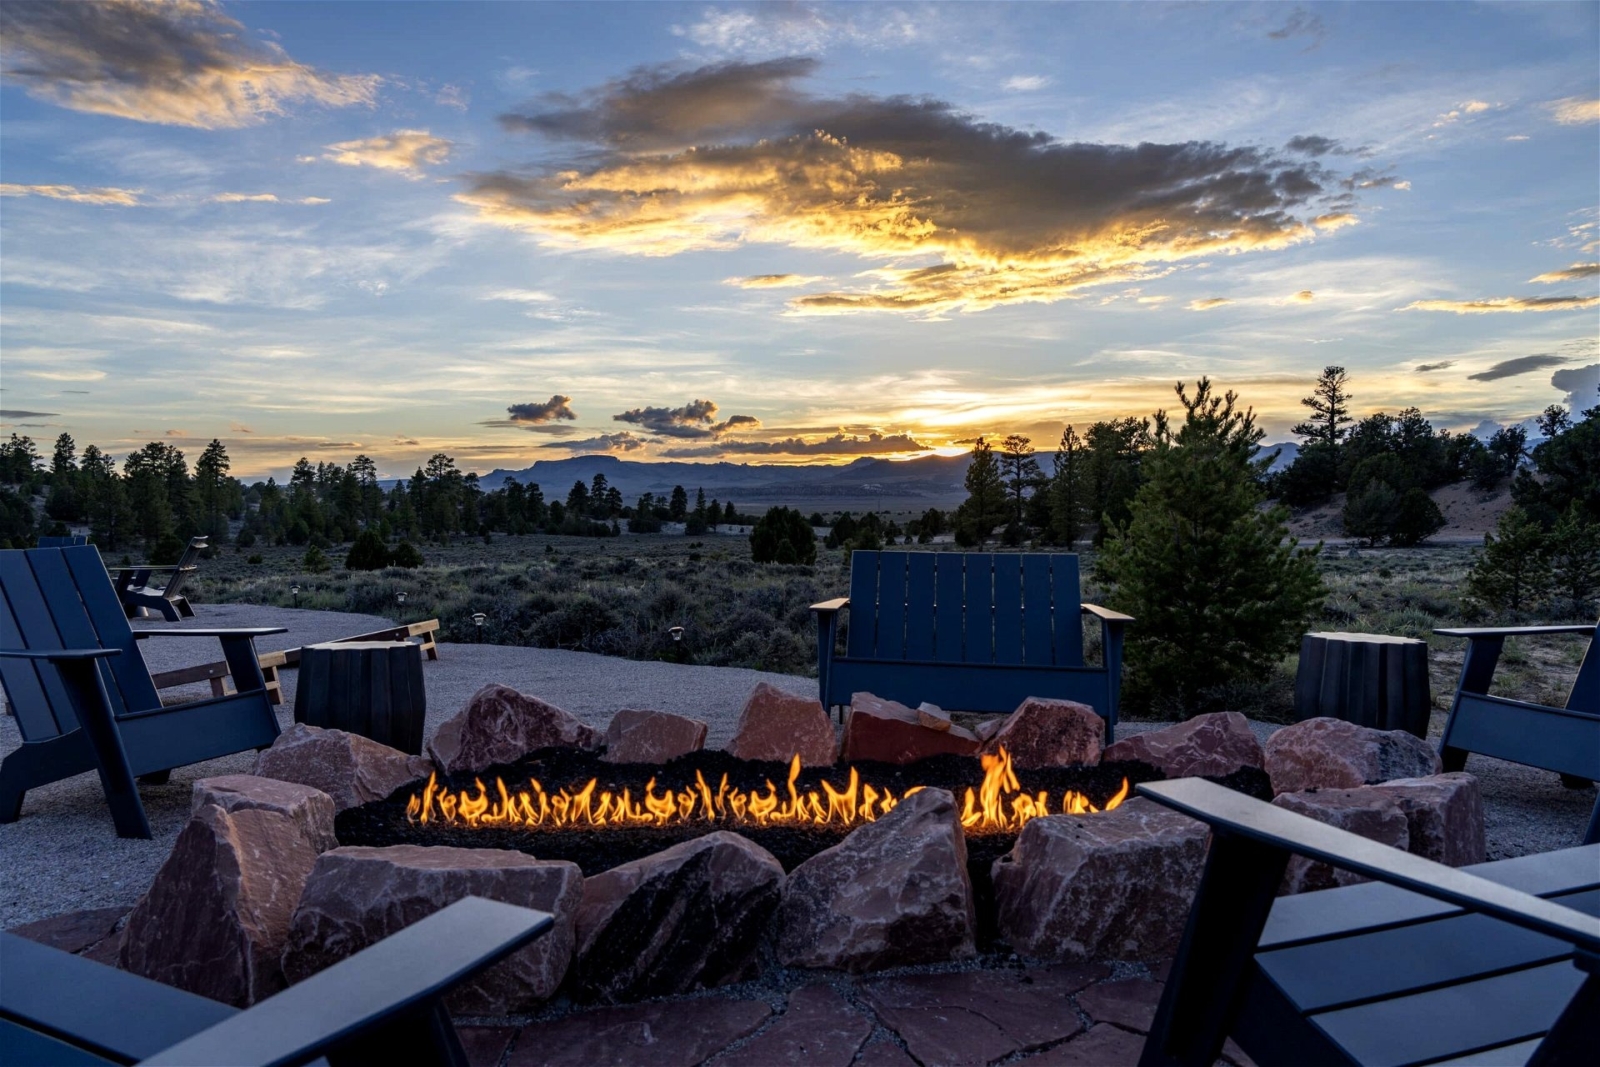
column 734, row 153
column 774, row 281
column 179, row 63
column 1304, row 296
column 407, row 151
column 1576, row 272
column 1336, row 220
column 1208, row 303
column 106, row 195
column 1574, row 111
column 1506, row 303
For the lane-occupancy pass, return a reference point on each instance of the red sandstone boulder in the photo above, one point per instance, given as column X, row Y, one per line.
column 94, row 933
column 501, row 725
column 1050, row 733
column 776, row 725
column 933, row 716
column 989, row 727
column 1444, row 815
column 357, row 896
column 1215, row 744
column 1327, row 753
column 1374, row 815
column 890, row 732
column 1116, row 885
column 310, row 809
column 353, row 770
column 652, row 736
column 689, row 917
column 894, row 892
column 215, row 919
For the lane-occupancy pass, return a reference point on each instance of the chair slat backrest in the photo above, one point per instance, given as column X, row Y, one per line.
column 1585, row 695
column 62, row 541
column 62, row 598
column 974, row 607
column 191, row 557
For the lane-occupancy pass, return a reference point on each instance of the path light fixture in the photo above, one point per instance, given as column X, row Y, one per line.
column 677, row 633
column 400, row 598
column 294, row 591
column 478, row 619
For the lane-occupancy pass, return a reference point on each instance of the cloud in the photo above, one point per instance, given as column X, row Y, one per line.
column 264, row 198
column 10, row 415
column 1462, row 110
column 1574, row 111
column 837, row 445
column 1424, row 368
column 183, row 63
column 1208, row 303
column 557, row 407
column 1313, row 145
column 406, row 151
column 1301, row 23
column 453, row 96
column 85, row 375
column 104, row 196
column 667, row 161
column 238, row 427
column 522, row 296
column 1506, row 303
column 792, row 27
column 1510, row 368
column 774, row 281
column 1025, row 83
column 1573, row 273
column 697, row 418
column 1580, row 384
column 606, row 442
column 1336, row 220
column 1304, row 296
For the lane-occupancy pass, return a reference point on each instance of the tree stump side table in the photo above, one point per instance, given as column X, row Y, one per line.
column 371, row 688
column 1369, row 679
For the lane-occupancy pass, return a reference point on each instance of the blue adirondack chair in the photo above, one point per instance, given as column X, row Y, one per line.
column 83, row 698
column 382, row 1005
column 973, row 631
column 1565, row 739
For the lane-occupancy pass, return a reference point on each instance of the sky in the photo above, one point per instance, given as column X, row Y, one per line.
column 780, row 233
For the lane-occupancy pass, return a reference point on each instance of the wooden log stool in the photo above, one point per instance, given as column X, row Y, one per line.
column 1369, row 679
column 371, row 688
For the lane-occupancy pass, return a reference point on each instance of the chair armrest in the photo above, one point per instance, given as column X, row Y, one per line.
column 1105, row 614
column 257, row 631
column 1235, row 813
column 1478, row 632
column 59, row 653
column 830, row 606
column 388, row 979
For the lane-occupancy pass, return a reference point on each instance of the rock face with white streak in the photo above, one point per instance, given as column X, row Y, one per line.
column 652, row 736
column 311, row 809
column 1327, row 753
column 353, row 770
column 894, row 892
column 501, row 725
column 893, row 733
column 1050, row 733
column 777, row 725
column 1207, row 745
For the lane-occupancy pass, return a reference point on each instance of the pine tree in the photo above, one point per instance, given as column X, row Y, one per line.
column 1067, row 489
column 1020, row 470
column 1330, row 410
column 1221, row 593
column 1512, row 572
column 678, row 509
column 783, row 536
column 211, row 485
column 1574, row 546
column 985, row 506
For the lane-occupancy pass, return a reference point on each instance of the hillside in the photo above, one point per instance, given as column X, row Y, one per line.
column 1469, row 514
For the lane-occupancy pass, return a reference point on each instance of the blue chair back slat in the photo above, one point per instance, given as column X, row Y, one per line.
column 949, row 606
column 1069, row 609
column 1038, row 642
column 110, row 622
column 1585, row 695
column 863, row 639
column 33, row 690
column 980, row 610
column 62, row 600
column 1007, row 609
column 892, row 605
column 63, row 542
column 919, row 606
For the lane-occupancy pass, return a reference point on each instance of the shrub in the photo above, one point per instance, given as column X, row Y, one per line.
column 245, row 538
column 1416, row 519
column 369, row 553
column 1220, row 593
column 314, row 561
column 405, row 554
column 166, row 550
column 1574, row 552
column 1513, row 570
column 783, row 535
column 254, row 559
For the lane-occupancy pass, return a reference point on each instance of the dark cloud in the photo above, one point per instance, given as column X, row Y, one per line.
column 1581, row 384
column 9, row 415
column 674, row 161
column 185, row 63
column 1301, row 23
column 1510, row 368
column 837, row 445
column 697, row 418
column 1424, row 368
column 606, row 442
column 557, row 407
column 1312, row 145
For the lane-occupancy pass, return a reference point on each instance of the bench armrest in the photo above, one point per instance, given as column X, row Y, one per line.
column 258, row 631
column 54, row 654
column 830, row 606
column 1479, row 632
column 1105, row 614
column 398, row 975
column 1227, row 811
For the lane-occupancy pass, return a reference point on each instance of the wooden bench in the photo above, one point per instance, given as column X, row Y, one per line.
column 218, row 674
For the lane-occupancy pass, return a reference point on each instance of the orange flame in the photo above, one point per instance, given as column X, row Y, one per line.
column 998, row 805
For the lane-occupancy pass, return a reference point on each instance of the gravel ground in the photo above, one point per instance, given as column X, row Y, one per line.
column 63, row 855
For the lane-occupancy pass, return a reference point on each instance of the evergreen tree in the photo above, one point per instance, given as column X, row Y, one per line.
column 1219, row 590
column 1512, row 572
column 678, row 509
column 1067, row 488
column 1020, row 470
column 1574, row 553
column 1116, row 450
column 212, row 486
column 1416, row 518
column 1369, row 511
column 730, row 517
column 783, row 536
column 986, row 505
column 1565, row 471
column 368, row 553
column 1330, row 409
